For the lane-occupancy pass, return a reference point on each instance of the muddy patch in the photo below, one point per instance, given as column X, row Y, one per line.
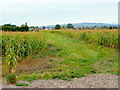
column 32, row 65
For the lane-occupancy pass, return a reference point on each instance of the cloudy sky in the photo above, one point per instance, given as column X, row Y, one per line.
column 47, row 12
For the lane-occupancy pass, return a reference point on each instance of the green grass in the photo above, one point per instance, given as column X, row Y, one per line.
column 74, row 53
column 1, row 60
column 72, row 56
column 22, row 84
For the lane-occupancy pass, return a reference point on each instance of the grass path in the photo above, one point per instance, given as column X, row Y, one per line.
column 78, row 53
column 78, row 47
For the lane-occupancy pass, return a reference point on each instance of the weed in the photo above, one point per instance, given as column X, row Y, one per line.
column 22, row 84
column 11, row 78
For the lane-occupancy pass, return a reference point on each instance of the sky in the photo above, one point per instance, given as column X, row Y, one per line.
column 48, row 12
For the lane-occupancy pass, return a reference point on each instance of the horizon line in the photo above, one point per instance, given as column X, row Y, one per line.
column 61, row 23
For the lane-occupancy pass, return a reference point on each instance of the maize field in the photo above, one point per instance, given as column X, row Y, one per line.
column 74, row 52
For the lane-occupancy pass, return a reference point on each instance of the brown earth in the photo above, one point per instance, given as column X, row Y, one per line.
column 32, row 65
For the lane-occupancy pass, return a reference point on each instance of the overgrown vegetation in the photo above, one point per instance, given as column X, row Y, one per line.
column 62, row 54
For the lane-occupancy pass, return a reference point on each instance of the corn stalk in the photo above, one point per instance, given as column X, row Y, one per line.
column 11, row 61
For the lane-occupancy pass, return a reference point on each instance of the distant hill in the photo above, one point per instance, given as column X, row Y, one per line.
column 86, row 24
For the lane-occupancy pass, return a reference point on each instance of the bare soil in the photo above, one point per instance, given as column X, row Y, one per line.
column 32, row 65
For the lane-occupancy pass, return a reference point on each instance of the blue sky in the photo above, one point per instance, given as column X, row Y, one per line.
column 47, row 12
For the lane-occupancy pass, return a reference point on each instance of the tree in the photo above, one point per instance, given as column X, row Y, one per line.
column 110, row 27
column 115, row 27
column 83, row 27
column 43, row 27
column 24, row 27
column 8, row 27
column 63, row 27
column 36, row 27
column 57, row 26
column 70, row 26
column 105, row 27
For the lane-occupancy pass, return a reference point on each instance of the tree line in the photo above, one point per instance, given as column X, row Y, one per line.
column 24, row 27
column 10, row 27
column 70, row 26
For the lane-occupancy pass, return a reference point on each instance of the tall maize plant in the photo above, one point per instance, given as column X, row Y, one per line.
column 17, row 45
column 11, row 61
column 105, row 38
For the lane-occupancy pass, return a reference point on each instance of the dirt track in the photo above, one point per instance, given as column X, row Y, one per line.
column 91, row 81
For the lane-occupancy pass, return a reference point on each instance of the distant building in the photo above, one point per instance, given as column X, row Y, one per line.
column 36, row 29
column 46, row 29
column 51, row 28
column 77, row 28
